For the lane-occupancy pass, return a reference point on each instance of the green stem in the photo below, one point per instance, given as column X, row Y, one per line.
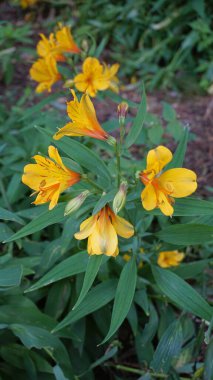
column 117, row 150
column 91, row 182
column 138, row 371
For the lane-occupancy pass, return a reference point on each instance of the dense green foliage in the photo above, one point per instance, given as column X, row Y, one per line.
column 65, row 315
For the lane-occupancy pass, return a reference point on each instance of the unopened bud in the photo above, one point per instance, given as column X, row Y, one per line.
column 76, row 202
column 69, row 83
column 122, row 111
column 120, row 198
column 111, row 140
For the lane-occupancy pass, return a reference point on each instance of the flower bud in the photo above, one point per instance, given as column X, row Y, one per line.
column 69, row 83
column 120, row 198
column 122, row 111
column 111, row 140
column 76, row 202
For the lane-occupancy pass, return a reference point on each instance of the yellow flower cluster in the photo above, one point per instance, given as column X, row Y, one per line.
column 50, row 50
column 49, row 177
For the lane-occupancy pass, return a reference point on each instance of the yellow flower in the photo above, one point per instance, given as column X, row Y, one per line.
column 48, row 47
column 64, row 40
column 27, row 3
column 84, row 120
column 109, row 73
column 56, row 46
column 49, row 177
column 45, row 72
column 96, row 77
column 161, row 188
column 102, row 230
column 168, row 259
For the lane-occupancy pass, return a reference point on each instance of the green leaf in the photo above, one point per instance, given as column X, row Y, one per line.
column 104, row 200
column 181, row 293
column 35, row 109
column 208, row 364
column 168, row 348
column 69, row 267
column 8, row 215
column 137, row 125
column 169, row 113
column 123, row 297
column 36, row 337
column 94, row 300
column 108, row 355
column 45, row 219
column 192, row 269
column 11, row 276
column 178, row 157
column 186, row 234
column 93, row 266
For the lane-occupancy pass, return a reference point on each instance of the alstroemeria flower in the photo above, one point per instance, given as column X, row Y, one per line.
column 49, row 177
column 45, row 72
column 65, row 41
column 161, row 188
column 84, row 120
column 96, row 77
column 56, row 46
column 168, row 259
column 48, row 47
column 102, row 229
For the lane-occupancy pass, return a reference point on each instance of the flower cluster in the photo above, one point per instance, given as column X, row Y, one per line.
column 94, row 77
column 52, row 50
column 49, row 177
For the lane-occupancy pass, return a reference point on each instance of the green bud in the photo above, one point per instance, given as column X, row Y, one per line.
column 111, row 140
column 122, row 111
column 120, row 198
column 76, row 202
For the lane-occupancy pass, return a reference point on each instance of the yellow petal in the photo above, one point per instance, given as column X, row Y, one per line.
column 179, row 182
column 157, row 158
column 53, row 153
column 104, row 239
column 149, row 197
column 164, row 204
column 86, row 228
column 70, row 129
column 54, row 198
column 122, row 227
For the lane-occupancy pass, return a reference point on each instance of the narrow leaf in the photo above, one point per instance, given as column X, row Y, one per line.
column 185, row 234
column 8, row 215
column 47, row 218
column 94, row 300
column 168, row 347
column 138, row 122
column 93, row 266
column 123, row 297
column 179, row 154
column 11, row 276
column 181, row 293
column 69, row 267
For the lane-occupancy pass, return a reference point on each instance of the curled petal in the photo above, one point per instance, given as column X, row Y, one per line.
column 157, row 158
column 86, row 228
